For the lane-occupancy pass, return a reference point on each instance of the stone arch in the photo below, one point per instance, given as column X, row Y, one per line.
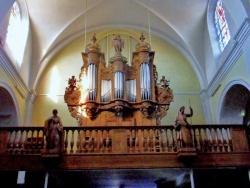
column 9, row 113
column 233, row 103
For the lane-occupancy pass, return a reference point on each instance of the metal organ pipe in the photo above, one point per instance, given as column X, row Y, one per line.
column 148, row 81
column 92, row 73
column 131, row 90
column 145, row 81
column 118, row 85
column 105, row 90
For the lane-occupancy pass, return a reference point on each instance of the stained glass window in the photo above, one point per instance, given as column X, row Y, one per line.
column 221, row 26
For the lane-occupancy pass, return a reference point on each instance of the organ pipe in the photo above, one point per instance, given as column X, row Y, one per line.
column 105, row 90
column 92, row 73
column 145, row 79
column 119, row 85
column 131, row 90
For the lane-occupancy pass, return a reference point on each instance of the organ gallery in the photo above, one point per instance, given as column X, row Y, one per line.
column 116, row 93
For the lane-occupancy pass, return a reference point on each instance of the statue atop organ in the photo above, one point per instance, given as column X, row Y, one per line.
column 118, row 94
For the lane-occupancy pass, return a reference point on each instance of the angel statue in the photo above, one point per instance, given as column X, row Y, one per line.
column 118, row 43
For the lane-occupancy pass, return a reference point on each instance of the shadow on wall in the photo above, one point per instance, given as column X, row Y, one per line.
column 236, row 106
column 8, row 114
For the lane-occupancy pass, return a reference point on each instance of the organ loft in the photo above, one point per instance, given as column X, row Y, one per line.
column 118, row 94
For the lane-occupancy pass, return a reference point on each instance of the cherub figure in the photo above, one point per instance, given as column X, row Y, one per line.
column 164, row 82
column 72, row 83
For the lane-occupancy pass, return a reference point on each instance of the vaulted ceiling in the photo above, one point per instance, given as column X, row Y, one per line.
column 54, row 24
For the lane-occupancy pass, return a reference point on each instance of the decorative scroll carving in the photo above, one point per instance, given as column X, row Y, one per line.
column 72, row 94
column 106, row 73
column 164, row 97
column 91, row 110
column 147, row 109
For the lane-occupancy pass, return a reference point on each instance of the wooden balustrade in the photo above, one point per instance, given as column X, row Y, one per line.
column 127, row 139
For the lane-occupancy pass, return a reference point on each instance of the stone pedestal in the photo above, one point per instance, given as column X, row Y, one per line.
column 187, row 153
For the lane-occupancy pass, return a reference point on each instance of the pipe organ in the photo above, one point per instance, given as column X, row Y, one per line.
column 118, row 94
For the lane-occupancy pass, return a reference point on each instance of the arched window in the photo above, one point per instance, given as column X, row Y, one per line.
column 221, row 26
column 15, row 34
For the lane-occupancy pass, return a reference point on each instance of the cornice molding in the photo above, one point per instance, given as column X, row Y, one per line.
column 13, row 74
column 236, row 51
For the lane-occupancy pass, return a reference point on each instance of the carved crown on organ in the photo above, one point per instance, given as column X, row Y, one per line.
column 117, row 92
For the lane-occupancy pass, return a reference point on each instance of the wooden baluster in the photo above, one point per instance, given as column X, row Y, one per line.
column 211, row 140
column 163, row 140
column 101, row 142
column 215, row 141
column 26, row 142
column 107, row 141
column 153, row 141
column 226, row 140
column 12, row 141
column 197, row 139
column 166, row 148
column 44, row 141
column 169, row 139
column 41, row 141
column 22, row 140
column 148, row 140
column 33, row 141
column 207, row 141
column 84, row 140
column 131, row 141
column 142, row 140
column 202, row 139
column 66, row 141
column 37, row 149
column 72, row 141
column 15, row 140
column 192, row 136
column 166, row 140
column 97, row 140
column 78, row 142
column 94, row 136
column 157, row 141
column 8, row 142
column 160, row 140
column 221, row 140
column 90, row 147
column 150, row 143
column 230, row 147
column 171, row 142
column 136, row 141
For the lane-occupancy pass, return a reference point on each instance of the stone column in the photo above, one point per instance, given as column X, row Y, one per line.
column 29, row 107
column 205, row 98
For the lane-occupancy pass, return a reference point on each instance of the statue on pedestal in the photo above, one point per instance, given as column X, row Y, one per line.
column 183, row 127
column 53, row 130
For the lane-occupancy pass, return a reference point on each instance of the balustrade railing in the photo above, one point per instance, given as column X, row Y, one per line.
column 127, row 139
